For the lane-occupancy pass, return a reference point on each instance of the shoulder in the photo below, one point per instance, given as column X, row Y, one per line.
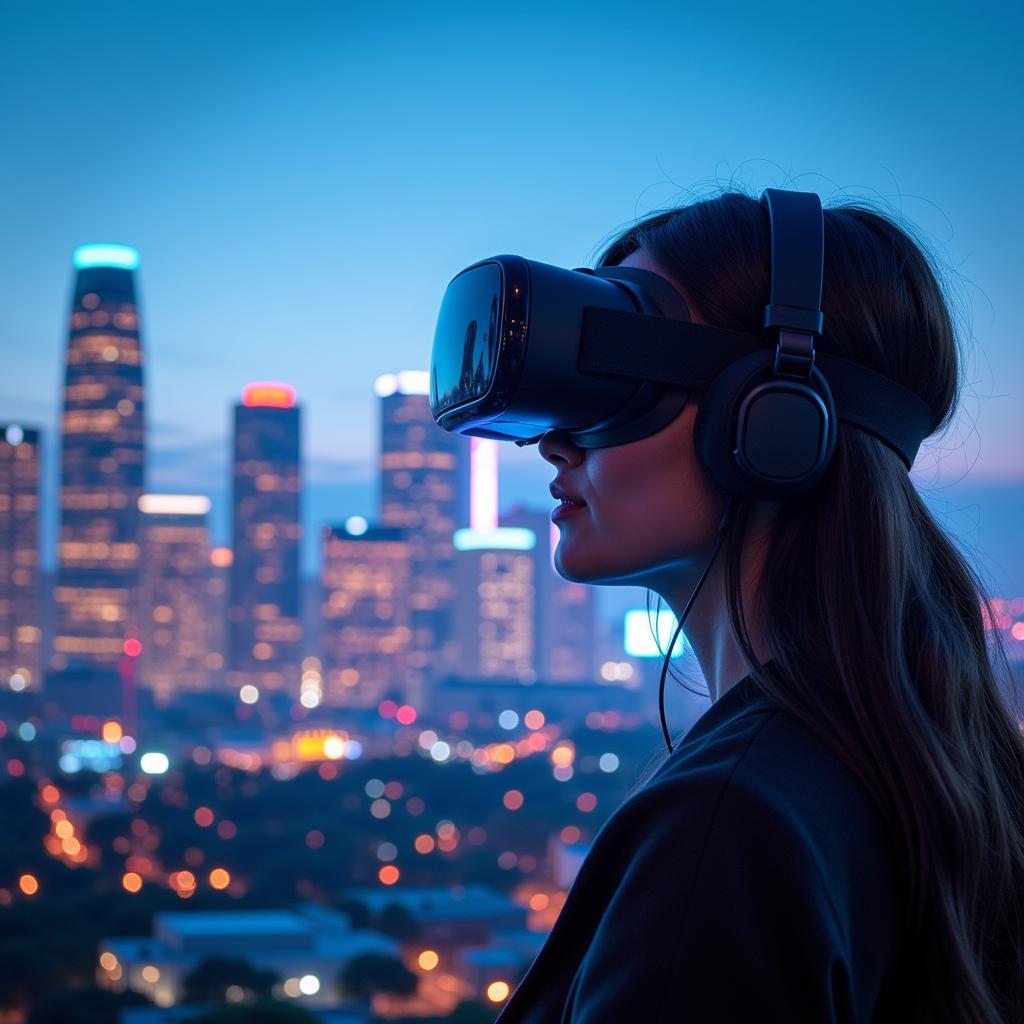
column 766, row 774
column 756, row 852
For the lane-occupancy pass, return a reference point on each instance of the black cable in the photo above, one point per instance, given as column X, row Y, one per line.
column 723, row 529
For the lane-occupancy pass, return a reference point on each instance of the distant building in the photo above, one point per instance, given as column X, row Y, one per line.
column 447, row 916
column 20, row 632
column 495, row 573
column 264, row 601
column 102, row 462
column 424, row 489
column 307, row 942
column 565, row 612
column 178, row 600
column 366, row 634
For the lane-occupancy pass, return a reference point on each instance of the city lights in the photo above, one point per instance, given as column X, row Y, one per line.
column 174, row 504
column 105, row 255
column 510, row 538
column 154, row 763
column 268, row 395
column 639, row 639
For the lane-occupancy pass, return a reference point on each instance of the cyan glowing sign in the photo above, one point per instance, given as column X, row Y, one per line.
column 101, row 255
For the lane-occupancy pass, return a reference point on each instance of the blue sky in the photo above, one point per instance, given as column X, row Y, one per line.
column 303, row 179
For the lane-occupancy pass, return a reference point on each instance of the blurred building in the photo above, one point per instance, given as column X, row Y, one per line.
column 366, row 635
column 565, row 613
column 178, row 599
column 307, row 942
column 20, row 632
column 424, row 489
column 264, row 599
column 102, row 462
column 495, row 573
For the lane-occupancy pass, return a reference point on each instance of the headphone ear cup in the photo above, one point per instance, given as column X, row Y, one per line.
column 712, row 427
column 782, row 422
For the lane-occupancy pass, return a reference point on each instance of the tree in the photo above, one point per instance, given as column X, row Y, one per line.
column 26, row 973
column 210, row 979
column 266, row 1011
column 396, row 921
column 89, row 1005
column 358, row 912
column 365, row 975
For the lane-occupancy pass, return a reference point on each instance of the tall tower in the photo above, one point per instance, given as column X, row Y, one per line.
column 264, row 612
column 178, row 598
column 424, row 489
column 19, row 557
column 365, row 638
column 565, row 613
column 102, row 463
column 495, row 571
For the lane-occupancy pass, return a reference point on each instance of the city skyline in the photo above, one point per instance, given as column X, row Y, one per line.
column 300, row 206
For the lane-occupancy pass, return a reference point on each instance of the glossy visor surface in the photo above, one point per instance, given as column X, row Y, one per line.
column 466, row 339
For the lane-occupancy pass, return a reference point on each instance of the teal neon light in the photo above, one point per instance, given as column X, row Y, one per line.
column 101, row 255
column 639, row 639
column 511, row 538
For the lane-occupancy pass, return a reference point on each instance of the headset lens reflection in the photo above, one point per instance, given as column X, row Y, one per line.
column 467, row 336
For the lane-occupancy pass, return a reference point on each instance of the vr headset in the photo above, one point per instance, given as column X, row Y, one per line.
column 610, row 356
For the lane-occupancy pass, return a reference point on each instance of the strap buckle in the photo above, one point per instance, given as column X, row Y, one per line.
column 794, row 355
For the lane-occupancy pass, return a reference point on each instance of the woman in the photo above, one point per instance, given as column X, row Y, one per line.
column 840, row 837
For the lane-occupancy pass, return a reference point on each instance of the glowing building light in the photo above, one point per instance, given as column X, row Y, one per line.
column 221, row 558
column 639, row 640
column 174, row 504
column 154, row 763
column 268, row 395
column 105, row 255
column 356, row 525
column 309, row 984
column 14, row 435
column 497, row 991
column 510, row 538
column 220, row 878
column 248, row 694
column 132, row 647
column 483, row 486
column 405, row 382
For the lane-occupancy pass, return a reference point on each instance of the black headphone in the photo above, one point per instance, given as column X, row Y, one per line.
column 766, row 427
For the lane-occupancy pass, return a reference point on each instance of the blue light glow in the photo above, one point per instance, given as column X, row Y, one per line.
column 105, row 255
column 639, row 640
column 512, row 538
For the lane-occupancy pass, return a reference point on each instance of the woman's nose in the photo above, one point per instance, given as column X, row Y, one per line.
column 555, row 445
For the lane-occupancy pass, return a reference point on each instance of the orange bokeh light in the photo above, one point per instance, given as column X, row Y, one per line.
column 268, row 395
column 221, row 558
column 220, row 878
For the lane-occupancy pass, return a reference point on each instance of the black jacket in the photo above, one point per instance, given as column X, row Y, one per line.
column 750, row 879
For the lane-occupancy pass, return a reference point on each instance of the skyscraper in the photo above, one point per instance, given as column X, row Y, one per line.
column 178, row 595
column 565, row 613
column 366, row 634
column 495, row 574
column 20, row 634
column 264, row 613
column 424, row 489
column 102, row 462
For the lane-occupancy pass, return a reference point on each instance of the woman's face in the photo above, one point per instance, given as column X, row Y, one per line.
column 651, row 513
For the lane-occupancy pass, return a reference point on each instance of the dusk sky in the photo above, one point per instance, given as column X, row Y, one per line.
column 303, row 179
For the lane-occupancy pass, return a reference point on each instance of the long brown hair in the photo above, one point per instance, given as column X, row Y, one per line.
column 874, row 621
